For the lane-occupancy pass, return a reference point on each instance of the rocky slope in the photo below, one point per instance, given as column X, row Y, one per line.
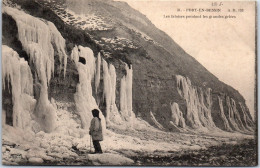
column 122, row 34
column 63, row 58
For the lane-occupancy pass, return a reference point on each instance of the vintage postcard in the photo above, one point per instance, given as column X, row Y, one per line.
column 129, row 83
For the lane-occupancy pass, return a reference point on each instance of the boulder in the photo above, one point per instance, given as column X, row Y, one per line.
column 35, row 160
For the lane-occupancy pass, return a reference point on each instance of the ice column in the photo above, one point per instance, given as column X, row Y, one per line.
column 18, row 73
column 190, row 95
column 223, row 116
column 107, row 89
column 60, row 45
column 126, row 95
column 177, row 116
column 233, row 120
column 109, row 78
column 97, row 75
column 84, row 100
column 246, row 117
column 198, row 113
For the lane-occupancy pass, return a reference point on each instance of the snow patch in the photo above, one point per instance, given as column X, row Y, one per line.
column 110, row 159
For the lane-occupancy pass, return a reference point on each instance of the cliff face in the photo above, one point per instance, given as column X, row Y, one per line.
column 131, row 69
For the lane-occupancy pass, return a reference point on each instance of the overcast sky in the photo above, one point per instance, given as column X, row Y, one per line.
column 226, row 47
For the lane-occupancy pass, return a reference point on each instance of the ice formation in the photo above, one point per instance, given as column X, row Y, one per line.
column 233, row 119
column 237, row 122
column 126, row 94
column 247, row 119
column 97, row 74
column 18, row 73
column 39, row 38
column 155, row 121
column 60, row 45
column 199, row 105
column 109, row 78
column 84, row 100
column 198, row 113
column 177, row 116
column 232, row 113
column 224, row 121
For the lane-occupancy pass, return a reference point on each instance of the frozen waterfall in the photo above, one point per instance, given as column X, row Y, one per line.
column 177, row 115
column 84, row 100
column 18, row 73
column 126, row 95
column 198, row 113
column 39, row 38
column 109, row 78
column 199, row 108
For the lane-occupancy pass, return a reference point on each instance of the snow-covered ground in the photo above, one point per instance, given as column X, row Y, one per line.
column 68, row 139
column 90, row 21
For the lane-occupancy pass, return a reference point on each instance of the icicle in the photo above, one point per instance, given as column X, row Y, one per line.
column 177, row 116
column 17, row 71
column 59, row 42
column 223, row 116
column 231, row 115
column 198, row 114
column 129, row 81
column 26, row 76
column 97, row 75
column 109, row 78
column 246, row 117
column 115, row 115
column 107, row 89
column 123, row 99
column 75, row 54
column 126, row 95
column 155, row 121
column 37, row 38
column 237, row 115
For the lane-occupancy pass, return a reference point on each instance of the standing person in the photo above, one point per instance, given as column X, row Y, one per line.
column 95, row 131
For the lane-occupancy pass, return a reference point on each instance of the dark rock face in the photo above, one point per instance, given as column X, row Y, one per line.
column 155, row 62
column 63, row 88
column 7, row 104
column 10, row 34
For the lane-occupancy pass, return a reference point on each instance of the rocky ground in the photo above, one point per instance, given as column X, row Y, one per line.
column 242, row 154
column 182, row 150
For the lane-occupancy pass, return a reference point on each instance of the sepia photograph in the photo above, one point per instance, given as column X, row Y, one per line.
column 129, row 83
